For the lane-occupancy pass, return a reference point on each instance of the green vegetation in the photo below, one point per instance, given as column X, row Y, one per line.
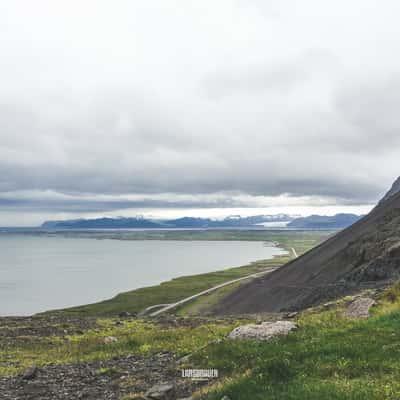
column 176, row 289
column 329, row 357
column 300, row 239
column 167, row 292
column 201, row 305
column 133, row 337
column 107, row 371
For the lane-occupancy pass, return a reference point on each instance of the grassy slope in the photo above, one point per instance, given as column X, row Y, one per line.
column 167, row 292
column 300, row 241
column 202, row 304
column 134, row 337
column 328, row 357
column 179, row 288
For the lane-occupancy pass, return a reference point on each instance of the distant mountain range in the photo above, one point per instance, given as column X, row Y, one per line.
column 185, row 222
column 232, row 221
column 101, row 223
column 338, row 221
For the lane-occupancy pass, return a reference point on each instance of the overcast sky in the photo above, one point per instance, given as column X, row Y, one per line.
column 170, row 108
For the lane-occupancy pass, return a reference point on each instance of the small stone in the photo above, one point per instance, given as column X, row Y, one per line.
column 83, row 395
column 264, row 331
column 118, row 323
column 30, row 373
column 163, row 391
column 110, row 339
column 292, row 314
column 184, row 359
column 124, row 314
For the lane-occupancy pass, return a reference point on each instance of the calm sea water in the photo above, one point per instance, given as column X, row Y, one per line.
column 42, row 273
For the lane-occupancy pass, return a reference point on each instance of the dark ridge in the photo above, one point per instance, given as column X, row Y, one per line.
column 101, row 223
column 185, row 222
column 366, row 254
column 338, row 221
column 393, row 190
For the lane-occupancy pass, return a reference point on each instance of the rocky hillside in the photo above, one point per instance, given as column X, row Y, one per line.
column 394, row 189
column 367, row 254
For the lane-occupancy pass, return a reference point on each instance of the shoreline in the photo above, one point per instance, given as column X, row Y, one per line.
column 123, row 268
column 172, row 290
column 254, row 267
column 176, row 288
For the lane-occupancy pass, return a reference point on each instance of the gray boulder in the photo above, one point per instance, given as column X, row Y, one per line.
column 264, row 331
column 124, row 314
column 110, row 340
column 359, row 308
column 30, row 373
column 163, row 391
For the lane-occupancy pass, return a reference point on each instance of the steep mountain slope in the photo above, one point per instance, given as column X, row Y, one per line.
column 367, row 254
column 394, row 189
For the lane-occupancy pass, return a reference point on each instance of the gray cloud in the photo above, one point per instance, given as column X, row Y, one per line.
column 279, row 78
column 228, row 103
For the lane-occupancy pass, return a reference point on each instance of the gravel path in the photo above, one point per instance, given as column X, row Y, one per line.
column 169, row 307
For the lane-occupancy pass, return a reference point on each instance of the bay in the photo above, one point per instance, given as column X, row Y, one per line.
column 38, row 273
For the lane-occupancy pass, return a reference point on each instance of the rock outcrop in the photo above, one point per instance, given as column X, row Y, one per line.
column 394, row 190
column 163, row 391
column 359, row 308
column 264, row 331
column 30, row 373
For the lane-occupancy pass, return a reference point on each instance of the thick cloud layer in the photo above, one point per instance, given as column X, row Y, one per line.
column 160, row 104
